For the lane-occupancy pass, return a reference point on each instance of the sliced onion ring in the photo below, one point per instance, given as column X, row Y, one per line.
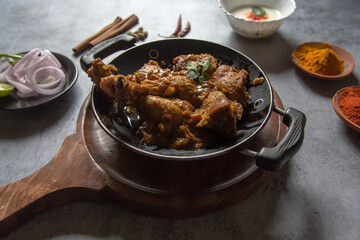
column 5, row 69
column 37, row 72
column 58, row 77
column 24, row 89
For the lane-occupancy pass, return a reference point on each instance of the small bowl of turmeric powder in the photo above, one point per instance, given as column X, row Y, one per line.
column 323, row 60
column 346, row 103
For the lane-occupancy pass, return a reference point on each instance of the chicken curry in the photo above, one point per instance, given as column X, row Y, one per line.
column 189, row 106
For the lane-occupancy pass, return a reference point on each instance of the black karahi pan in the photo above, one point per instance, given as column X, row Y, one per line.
column 255, row 116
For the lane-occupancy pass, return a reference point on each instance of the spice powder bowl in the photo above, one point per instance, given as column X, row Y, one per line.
column 339, row 112
column 349, row 63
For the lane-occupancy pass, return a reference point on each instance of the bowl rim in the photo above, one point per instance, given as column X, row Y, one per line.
column 252, row 21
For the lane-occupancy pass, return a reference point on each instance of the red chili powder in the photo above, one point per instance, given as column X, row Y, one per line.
column 349, row 104
column 254, row 17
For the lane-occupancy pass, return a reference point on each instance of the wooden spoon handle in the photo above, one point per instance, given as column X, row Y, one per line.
column 70, row 176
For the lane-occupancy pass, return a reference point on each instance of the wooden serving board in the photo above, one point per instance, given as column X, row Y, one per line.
column 91, row 166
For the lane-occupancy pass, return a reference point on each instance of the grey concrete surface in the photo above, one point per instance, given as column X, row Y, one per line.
column 315, row 196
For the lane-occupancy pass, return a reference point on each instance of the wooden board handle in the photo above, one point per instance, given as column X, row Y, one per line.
column 70, row 176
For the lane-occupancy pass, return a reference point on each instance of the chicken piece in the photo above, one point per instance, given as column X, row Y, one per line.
column 151, row 66
column 108, row 85
column 181, row 62
column 120, row 88
column 186, row 88
column 220, row 114
column 123, row 88
column 150, row 79
column 168, row 123
column 99, row 70
column 150, row 71
column 166, row 113
column 162, row 118
column 231, row 82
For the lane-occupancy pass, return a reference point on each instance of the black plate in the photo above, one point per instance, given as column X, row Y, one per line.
column 254, row 119
column 13, row 102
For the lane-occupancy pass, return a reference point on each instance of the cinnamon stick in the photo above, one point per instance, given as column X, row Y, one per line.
column 116, row 29
column 84, row 44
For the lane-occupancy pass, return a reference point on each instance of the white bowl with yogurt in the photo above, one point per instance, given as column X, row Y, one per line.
column 256, row 18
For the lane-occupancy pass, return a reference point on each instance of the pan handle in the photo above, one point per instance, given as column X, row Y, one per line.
column 106, row 48
column 273, row 159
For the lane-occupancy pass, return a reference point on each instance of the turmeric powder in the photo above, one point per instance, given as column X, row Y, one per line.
column 321, row 60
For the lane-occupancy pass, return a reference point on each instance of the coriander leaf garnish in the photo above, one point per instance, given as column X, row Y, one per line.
column 258, row 11
column 192, row 72
column 201, row 75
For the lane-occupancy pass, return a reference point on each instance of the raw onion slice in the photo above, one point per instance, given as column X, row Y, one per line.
column 24, row 89
column 52, row 58
column 40, row 79
column 37, row 72
column 5, row 69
